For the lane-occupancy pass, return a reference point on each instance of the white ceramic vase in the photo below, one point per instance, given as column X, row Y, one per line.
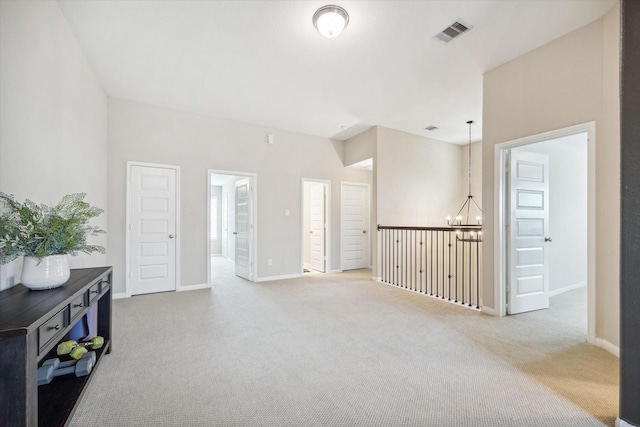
column 46, row 273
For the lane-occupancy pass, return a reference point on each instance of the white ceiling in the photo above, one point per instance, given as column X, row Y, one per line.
column 263, row 62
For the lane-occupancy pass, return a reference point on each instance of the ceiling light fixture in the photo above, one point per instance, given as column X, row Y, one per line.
column 330, row 21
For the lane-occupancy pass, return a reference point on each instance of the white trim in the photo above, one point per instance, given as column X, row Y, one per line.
column 376, row 279
column 253, row 182
column 120, row 295
column 622, row 423
column 567, row 289
column 327, row 216
column 130, row 164
column 499, row 220
column 499, row 265
column 336, row 271
column 283, row 277
column 611, row 348
column 367, row 219
column 194, row 287
column 488, row 310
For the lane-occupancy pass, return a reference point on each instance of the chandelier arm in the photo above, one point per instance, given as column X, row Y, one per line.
column 462, row 208
column 476, row 203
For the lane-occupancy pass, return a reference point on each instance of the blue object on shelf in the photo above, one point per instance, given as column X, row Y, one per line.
column 87, row 327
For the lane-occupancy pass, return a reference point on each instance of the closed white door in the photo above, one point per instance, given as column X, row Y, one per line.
column 355, row 226
column 528, row 284
column 318, row 227
column 243, row 230
column 152, row 212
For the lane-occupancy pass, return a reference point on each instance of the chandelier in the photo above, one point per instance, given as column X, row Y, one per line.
column 470, row 207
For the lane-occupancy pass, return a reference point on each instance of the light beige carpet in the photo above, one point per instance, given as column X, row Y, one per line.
column 342, row 350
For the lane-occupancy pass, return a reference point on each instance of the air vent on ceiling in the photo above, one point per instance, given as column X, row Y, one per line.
column 451, row 32
column 431, row 128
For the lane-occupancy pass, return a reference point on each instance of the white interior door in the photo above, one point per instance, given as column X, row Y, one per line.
column 355, row 226
column 318, row 227
column 528, row 283
column 152, row 210
column 243, row 229
column 225, row 223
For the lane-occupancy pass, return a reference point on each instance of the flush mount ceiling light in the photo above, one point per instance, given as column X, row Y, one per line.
column 330, row 21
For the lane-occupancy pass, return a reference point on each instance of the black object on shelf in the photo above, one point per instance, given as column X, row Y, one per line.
column 32, row 323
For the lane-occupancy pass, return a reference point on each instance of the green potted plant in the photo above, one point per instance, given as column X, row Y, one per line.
column 45, row 236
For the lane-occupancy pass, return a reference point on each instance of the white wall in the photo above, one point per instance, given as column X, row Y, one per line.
column 140, row 132
column 572, row 80
column 419, row 180
column 361, row 147
column 567, row 209
column 53, row 138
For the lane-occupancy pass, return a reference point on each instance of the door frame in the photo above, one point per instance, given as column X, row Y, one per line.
column 327, row 217
column 499, row 234
column 368, row 219
column 130, row 165
column 253, row 182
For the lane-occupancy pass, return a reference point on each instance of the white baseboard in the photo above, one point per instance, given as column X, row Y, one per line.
column 613, row 349
column 488, row 310
column 622, row 423
column 335, row 271
column 376, row 279
column 272, row 278
column 192, row 287
column 567, row 288
column 120, row 295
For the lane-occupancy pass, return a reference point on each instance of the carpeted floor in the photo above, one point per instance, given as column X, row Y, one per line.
column 342, row 350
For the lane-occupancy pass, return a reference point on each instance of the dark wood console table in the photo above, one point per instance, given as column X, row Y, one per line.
column 32, row 323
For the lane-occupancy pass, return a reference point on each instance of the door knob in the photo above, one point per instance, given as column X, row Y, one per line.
column 364, row 231
column 171, row 236
column 311, row 231
column 547, row 239
column 235, row 232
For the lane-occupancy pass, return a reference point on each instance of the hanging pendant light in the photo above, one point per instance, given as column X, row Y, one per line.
column 464, row 217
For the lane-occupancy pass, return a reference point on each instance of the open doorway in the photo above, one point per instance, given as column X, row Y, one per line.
column 316, row 201
column 231, row 216
column 545, row 227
